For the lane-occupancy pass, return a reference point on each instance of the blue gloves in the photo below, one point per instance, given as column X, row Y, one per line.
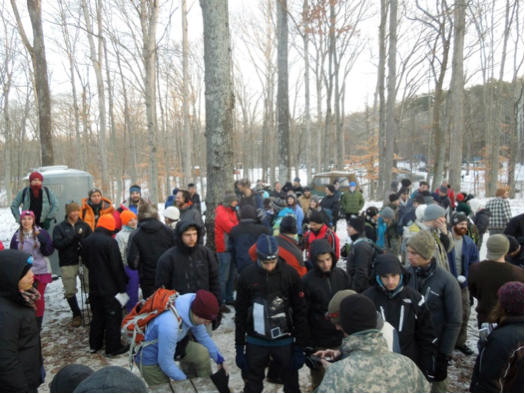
column 240, row 358
column 297, row 358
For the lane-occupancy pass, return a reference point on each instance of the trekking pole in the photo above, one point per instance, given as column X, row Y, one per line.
column 82, row 288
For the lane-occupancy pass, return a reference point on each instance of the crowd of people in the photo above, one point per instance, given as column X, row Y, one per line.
column 387, row 318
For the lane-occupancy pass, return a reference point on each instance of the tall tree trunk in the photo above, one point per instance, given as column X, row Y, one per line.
column 219, row 108
column 283, row 111
column 306, row 38
column 381, row 186
column 185, row 80
column 6, row 85
column 457, row 93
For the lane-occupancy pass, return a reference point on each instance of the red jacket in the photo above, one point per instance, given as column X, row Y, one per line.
column 225, row 219
column 324, row 232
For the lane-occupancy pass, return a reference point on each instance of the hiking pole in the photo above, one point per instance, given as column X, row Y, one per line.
column 82, row 288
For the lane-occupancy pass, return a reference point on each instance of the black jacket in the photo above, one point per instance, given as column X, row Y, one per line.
column 188, row 270
column 499, row 366
column 332, row 205
column 68, row 246
column 196, row 200
column 515, row 228
column 20, row 356
column 482, row 219
column 370, row 230
column 146, row 244
column 319, row 288
column 255, row 281
column 101, row 255
column 406, row 311
column 443, row 298
column 359, row 263
column 241, row 239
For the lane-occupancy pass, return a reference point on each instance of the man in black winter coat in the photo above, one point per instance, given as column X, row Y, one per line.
column 443, row 298
column 405, row 309
column 359, row 255
column 20, row 354
column 320, row 285
column 107, row 278
column 331, row 204
column 145, row 246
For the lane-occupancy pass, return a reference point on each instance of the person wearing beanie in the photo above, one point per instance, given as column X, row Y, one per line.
column 170, row 201
column 423, row 189
column 195, row 197
column 95, row 206
column 171, row 216
column 225, row 221
column 297, row 188
column 68, row 378
column 38, row 199
column 134, row 201
column 291, row 202
column 406, row 310
column 67, row 238
column 394, row 185
column 515, row 229
column 480, row 217
column 472, row 228
column 249, row 196
column 446, row 191
column 407, row 217
column 515, row 253
column 20, row 352
column 499, row 365
column 330, row 203
column 352, row 201
column 366, row 360
column 267, row 283
column 101, row 255
column 443, row 298
column 304, row 200
column 315, row 206
column 358, row 253
column 111, row 379
column 129, row 223
column 499, row 207
column 188, row 211
column 464, row 253
column 194, row 313
column 387, row 230
column 371, row 216
column 146, row 245
column 276, row 192
column 406, row 183
column 321, row 283
column 434, row 220
column 486, row 277
column 319, row 230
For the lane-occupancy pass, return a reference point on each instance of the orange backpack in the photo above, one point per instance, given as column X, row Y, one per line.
column 135, row 323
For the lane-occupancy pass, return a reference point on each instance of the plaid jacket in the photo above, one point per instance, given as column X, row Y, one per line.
column 501, row 214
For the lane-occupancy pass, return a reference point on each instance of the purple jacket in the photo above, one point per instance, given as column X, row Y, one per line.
column 40, row 263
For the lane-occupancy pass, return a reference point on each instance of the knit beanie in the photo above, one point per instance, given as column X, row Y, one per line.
column 334, row 306
column 419, row 199
column 393, row 197
column 315, row 198
column 500, row 191
column 331, row 188
column 497, row 246
column 278, row 204
column 135, row 188
column 267, row 248
column 420, row 212
column 288, row 225
column 94, row 190
column 112, row 379
column 387, row 264
column 248, row 212
column 357, row 313
column 36, row 175
column 351, row 184
column 428, row 200
column 357, row 223
column 107, row 221
column 463, row 208
column 475, row 205
column 316, row 217
column 433, row 212
column 406, row 183
column 423, row 243
column 297, row 180
column 387, row 213
column 205, row 305
column 172, row 213
column 229, row 197
column 126, row 216
column 513, row 244
column 443, row 189
column 511, row 298
column 72, row 207
column 371, row 211
column 458, row 217
column 460, row 197
column 68, row 378
column 394, row 184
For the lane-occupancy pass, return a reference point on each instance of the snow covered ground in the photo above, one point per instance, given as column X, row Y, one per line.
column 63, row 345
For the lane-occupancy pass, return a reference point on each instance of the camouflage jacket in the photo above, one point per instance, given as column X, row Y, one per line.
column 368, row 366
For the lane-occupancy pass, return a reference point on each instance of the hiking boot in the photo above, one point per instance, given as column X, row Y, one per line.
column 123, row 349
column 93, row 350
column 465, row 350
column 231, row 303
column 225, row 309
column 77, row 321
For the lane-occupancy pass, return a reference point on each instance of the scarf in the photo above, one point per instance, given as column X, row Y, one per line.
column 36, row 190
column 30, row 296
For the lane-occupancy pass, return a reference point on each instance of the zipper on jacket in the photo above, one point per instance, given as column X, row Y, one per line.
column 383, row 313
column 401, row 318
column 329, row 285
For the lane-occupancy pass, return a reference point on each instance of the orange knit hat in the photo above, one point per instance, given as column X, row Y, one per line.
column 126, row 216
column 107, row 221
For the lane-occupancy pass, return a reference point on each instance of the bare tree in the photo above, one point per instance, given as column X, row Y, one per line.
column 185, row 79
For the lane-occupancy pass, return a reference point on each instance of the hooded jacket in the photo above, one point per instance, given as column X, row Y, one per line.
column 20, row 356
column 359, row 262
column 101, row 255
column 165, row 328
column 65, row 242
column 324, row 232
column 319, row 288
column 88, row 215
column 332, row 206
column 40, row 252
column 225, row 219
column 191, row 213
column 482, row 219
column 188, row 270
column 406, row 311
column 443, row 299
column 146, row 244
column 128, row 205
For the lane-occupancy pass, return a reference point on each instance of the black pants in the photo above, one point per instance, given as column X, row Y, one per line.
column 147, row 286
column 107, row 318
column 258, row 357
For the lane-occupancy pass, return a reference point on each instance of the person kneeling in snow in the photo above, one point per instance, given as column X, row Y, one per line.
column 156, row 361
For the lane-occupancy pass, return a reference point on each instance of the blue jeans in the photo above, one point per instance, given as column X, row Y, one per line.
column 226, row 277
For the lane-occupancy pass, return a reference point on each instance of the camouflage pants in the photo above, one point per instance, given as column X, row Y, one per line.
column 440, row 387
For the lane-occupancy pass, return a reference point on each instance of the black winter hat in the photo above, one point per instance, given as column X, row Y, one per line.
column 387, row 264
column 357, row 313
column 419, row 199
column 331, row 188
column 406, row 182
column 267, row 248
column 393, row 197
column 248, row 212
column 288, row 225
column 68, row 378
column 112, row 379
column 316, row 217
column 278, row 204
column 372, row 211
column 357, row 223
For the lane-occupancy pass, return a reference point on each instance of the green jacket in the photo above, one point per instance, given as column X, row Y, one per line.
column 352, row 202
column 368, row 367
column 49, row 206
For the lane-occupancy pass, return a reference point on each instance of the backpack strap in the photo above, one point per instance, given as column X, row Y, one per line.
column 26, row 190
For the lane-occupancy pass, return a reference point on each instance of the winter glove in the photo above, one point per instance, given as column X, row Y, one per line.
column 217, row 322
column 240, row 358
column 440, row 372
column 42, row 239
column 297, row 358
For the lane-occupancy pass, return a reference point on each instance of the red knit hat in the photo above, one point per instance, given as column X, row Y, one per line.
column 460, row 197
column 36, row 175
column 205, row 305
column 126, row 216
column 511, row 298
column 107, row 221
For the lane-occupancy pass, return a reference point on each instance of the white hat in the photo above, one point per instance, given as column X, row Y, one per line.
column 420, row 212
column 475, row 205
column 172, row 213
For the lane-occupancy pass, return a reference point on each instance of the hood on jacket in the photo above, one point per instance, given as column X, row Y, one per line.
column 12, row 264
column 151, row 225
column 112, row 379
column 389, row 264
column 248, row 212
column 318, row 247
column 68, row 378
column 147, row 211
column 182, row 226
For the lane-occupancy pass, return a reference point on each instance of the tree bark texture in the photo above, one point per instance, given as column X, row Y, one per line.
column 391, row 100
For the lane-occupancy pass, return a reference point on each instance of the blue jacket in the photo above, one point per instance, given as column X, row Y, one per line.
column 299, row 216
column 165, row 329
column 407, row 219
column 381, row 230
column 241, row 239
column 470, row 255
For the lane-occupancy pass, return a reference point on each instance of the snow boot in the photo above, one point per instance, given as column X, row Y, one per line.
column 77, row 316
